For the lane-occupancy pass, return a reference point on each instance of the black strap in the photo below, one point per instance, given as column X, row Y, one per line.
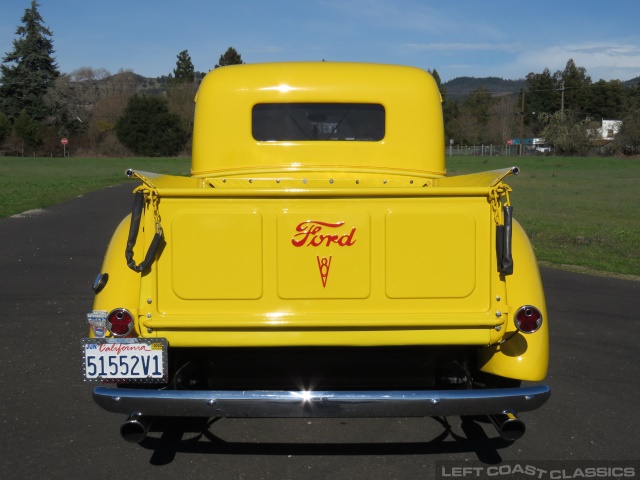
column 504, row 242
column 136, row 214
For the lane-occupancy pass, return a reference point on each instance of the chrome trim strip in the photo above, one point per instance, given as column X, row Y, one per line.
column 284, row 404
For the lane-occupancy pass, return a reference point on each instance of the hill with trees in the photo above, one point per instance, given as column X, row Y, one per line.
column 632, row 83
column 460, row 88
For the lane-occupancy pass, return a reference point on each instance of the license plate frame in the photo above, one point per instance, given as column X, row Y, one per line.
column 125, row 360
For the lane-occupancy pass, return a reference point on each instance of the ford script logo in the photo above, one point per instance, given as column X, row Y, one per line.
column 313, row 233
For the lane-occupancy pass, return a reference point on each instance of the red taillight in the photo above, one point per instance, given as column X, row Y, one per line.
column 528, row 319
column 120, row 322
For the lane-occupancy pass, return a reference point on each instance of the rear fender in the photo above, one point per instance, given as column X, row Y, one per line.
column 521, row 356
column 122, row 289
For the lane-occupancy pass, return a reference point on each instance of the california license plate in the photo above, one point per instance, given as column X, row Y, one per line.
column 124, row 360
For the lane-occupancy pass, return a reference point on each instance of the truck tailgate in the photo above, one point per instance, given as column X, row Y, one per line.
column 340, row 262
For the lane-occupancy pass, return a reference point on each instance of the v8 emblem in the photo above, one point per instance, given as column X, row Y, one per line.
column 324, row 264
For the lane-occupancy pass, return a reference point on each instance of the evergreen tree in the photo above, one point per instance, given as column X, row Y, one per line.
column 607, row 100
column 184, row 71
column 543, row 94
column 230, row 57
column 575, row 82
column 5, row 127
column 29, row 69
column 449, row 107
column 27, row 129
column 149, row 129
column 478, row 104
column 436, row 76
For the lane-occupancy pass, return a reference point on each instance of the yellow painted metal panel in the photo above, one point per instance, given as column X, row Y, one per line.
column 216, row 255
column 325, row 337
column 324, row 254
column 489, row 178
column 430, row 253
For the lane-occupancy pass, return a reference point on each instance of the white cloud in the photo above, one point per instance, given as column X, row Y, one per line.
column 601, row 60
column 468, row 47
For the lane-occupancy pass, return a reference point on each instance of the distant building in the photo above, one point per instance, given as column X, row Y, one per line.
column 609, row 129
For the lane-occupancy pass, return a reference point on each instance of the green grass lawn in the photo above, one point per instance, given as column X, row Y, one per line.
column 577, row 211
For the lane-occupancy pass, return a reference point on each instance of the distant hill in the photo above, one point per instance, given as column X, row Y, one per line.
column 460, row 87
column 457, row 89
column 130, row 82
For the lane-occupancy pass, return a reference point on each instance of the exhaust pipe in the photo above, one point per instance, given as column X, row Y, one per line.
column 508, row 425
column 136, row 427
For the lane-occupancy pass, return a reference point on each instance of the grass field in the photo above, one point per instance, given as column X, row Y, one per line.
column 577, row 211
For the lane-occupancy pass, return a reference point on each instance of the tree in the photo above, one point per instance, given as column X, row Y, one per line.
column 568, row 133
column 478, row 105
column 607, row 100
column 230, row 57
column 181, row 92
column 472, row 118
column 184, row 71
column 465, row 129
column 180, row 99
column 503, row 122
column 543, row 96
column 102, row 125
column 436, row 76
column 5, row 127
column 26, row 129
column 149, row 129
column 575, row 83
column 449, row 107
column 73, row 96
column 29, row 69
column 628, row 138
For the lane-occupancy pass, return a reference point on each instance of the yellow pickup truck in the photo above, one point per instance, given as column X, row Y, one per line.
column 318, row 262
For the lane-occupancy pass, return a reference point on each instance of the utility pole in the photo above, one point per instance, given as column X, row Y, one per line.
column 562, row 97
column 522, row 126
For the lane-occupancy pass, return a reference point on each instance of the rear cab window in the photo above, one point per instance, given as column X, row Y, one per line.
column 282, row 122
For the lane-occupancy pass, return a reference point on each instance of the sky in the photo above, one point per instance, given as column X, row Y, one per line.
column 473, row 38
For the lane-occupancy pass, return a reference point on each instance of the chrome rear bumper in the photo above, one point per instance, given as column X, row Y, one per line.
column 354, row 404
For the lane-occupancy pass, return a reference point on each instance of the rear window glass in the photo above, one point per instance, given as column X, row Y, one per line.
column 318, row 122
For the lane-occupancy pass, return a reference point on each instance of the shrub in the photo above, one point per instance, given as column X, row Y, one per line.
column 148, row 129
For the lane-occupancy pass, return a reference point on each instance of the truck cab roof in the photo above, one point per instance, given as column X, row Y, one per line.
column 335, row 119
